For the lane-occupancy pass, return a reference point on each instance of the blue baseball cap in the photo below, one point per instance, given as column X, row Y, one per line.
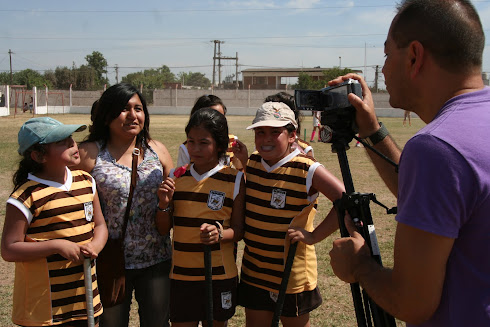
column 44, row 130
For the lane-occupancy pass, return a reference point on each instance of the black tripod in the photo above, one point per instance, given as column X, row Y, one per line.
column 368, row 313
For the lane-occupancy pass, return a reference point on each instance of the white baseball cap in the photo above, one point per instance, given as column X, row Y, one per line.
column 273, row 114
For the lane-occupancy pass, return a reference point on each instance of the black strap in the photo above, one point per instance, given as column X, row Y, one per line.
column 134, row 177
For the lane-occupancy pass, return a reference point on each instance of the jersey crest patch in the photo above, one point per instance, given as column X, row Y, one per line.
column 216, row 199
column 89, row 210
column 226, row 300
column 278, row 198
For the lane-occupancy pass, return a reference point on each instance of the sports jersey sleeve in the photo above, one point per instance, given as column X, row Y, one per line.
column 309, row 148
column 436, row 187
column 94, row 186
column 19, row 205
column 238, row 181
column 311, row 172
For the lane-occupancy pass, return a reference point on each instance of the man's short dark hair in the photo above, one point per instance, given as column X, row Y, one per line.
column 450, row 30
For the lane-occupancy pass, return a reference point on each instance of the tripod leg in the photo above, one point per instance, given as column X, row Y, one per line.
column 354, row 287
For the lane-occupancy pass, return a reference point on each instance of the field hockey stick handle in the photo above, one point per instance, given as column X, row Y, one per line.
column 284, row 284
column 89, row 295
column 208, row 275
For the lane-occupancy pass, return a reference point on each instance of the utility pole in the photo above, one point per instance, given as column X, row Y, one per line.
column 236, row 70
column 117, row 74
column 376, row 79
column 214, row 62
column 217, row 55
column 10, row 55
column 219, row 63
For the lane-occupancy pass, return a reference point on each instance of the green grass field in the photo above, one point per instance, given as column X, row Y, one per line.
column 337, row 308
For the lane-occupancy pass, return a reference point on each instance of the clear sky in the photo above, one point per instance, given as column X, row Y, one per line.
column 143, row 34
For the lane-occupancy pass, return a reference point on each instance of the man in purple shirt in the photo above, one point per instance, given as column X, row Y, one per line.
column 441, row 270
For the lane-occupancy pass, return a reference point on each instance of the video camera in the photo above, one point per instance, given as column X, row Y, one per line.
column 337, row 113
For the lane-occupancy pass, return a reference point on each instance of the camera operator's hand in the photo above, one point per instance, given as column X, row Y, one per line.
column 350, row 256
column 367, row 123
column 365, row 115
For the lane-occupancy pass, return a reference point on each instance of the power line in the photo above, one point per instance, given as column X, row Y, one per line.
column 84, row 11
column 57, row 38
column 202, row 39
column 158, row 11
column 122, row 67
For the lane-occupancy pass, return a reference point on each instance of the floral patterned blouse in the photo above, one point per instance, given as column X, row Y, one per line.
column 143, row 245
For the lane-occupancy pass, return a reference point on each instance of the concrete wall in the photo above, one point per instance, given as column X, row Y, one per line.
column 232, row 111
column 231, row 98
column 46, row 110
column 180, row 101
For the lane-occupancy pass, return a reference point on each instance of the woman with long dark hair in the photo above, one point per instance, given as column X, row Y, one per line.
column 120, row 123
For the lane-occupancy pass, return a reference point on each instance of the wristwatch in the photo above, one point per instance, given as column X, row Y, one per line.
column 378, row 136
column 167, row 209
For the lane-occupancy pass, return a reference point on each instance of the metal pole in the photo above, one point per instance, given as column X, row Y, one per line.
column 89, row 295
column 365, row 62
column 236, row 71
column 11, row 77
column 208, row 275
column 284, row 285
column 219, row 64
column 214, row 63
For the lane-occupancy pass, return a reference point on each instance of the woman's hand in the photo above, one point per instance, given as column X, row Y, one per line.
column 209, row 234
column 166, row 192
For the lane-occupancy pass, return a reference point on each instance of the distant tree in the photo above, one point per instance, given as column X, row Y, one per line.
column 306, row 82
column 4, row 78
column 30, row 78
column 98, row 63
column 151, row 78
column 51, row 78
column 64, row 78
column 86, row 78
column 194, row 79
column 335, row 72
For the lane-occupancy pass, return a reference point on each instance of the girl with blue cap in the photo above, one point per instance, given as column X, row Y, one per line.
column 53, row 221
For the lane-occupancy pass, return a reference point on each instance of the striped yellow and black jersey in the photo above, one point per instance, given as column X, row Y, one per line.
column 277, row 198
column 51, row 291
column 304, row 147
column 200, row 199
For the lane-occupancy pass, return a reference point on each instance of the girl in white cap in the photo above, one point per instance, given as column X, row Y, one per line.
column 282, row 187
column 53, row 221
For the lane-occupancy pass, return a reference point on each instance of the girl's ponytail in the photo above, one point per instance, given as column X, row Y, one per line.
column 28, row 165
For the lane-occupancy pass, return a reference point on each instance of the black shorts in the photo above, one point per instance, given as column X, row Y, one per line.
column 188, row 300
column 295, row 305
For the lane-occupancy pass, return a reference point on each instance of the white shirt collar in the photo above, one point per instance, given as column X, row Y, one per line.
column 65, row 187
column 206, row 174
column 280, row 162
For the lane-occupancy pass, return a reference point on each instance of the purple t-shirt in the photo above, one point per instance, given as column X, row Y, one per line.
column 444, row 189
